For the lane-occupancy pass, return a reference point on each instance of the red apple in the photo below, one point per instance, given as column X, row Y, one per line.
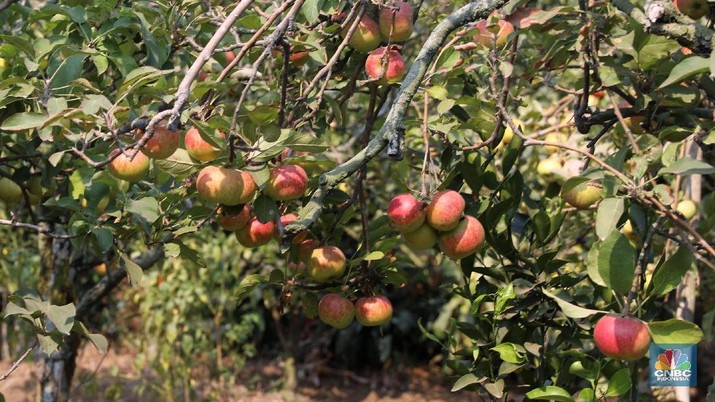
column 123, row 167
column 199, row 148
column 464, row 240
column 229, row 57
column 286, row 182
column 445, row 210
column 232, row 220
column 221, row 185
column 286, row 220
column 694, row 9
column 424, row 238
column 366, row 37
column 255, row 233
column 305, row 249
column 162, row 144
column 395, row 70
column 326, row 263
column 624, row 338
column 584, row 195
column 396, row 18
column 373, row 311
column 406, row 213
column 10, row 192
column 249, row 188
column 486, row 38
column 336, row 311
column 299, row 58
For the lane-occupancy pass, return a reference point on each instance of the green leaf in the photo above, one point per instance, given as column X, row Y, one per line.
column 147, row 208
column 615, row 263
column 47, row 344
column 687, row 166
column 374, row 256
column 503, row 297
column 570, row 310
column 105, row 239
column 585, row 368
column 99, row 341
column 248, row 284
column 24, row 121
column 675, row 331
column 509, row 353
column 496, row 389
column 608, row 214
column 466, row 380
column 266, row 209
column 620, row 383
column 62, row 317
column 134, row 271
column 687, row 68
column 549, row 393
column 179, row 164
column 426, row 333
column 668, row 276
column 586, row 395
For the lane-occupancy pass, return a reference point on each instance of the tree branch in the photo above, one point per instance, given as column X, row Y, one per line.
column 18, row 362
column 392, row 131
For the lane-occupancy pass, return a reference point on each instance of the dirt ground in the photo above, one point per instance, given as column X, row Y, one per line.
column 114, row 377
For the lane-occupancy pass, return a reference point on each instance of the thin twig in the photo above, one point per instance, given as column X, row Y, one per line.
column 18, row 362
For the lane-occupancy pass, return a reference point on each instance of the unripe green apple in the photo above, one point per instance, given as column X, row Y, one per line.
column 366, row 37
column 694, row 9
column 336, row 311
column 584, row 195
column 198, row 148
column 373, row 311
column 555, row 138
column 162, row 144
column 395, row 66
column 688, row 208
column 445, row 210
column 221, row 185
column 125, row 168
column 549, row 167
column 10, row 192
column 406, row 213
column 286, row 182
column 396, row 18
column 255, row 233
column 463, row 240
column 424, row 238
column 326, row 263
column 624, row 338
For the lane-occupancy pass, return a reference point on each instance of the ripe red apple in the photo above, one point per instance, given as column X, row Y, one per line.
column 694, row 9
column 122, row 167
column 366, row 37
column 305, row 249
column 232, row 220
column 199, row 148
column 249, row 188
column 221, row 185
column 445, row 210
column 373, row 311
column 326, row 263
column 624, row 338
column 424, row 238
column 162, row 144
column 486, row 38
column 406, row 213
column 10, row 192
column 286, row 220
column 584, row 195
column 464, row 240
column 229, row 57
column 396, row 18
column 255, row 233
column 336, row 311
column 395, row 70
column 286, row 182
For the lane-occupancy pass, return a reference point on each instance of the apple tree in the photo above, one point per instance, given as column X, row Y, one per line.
column 554, row 154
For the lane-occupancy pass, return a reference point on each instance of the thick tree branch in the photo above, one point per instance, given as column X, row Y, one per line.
column 392, row 131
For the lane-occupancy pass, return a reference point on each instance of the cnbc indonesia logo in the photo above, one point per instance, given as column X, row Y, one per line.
column 672, row 366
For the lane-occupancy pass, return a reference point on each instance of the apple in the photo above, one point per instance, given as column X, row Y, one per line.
column 34, row 190
column 373, row 311
column 366, row 37
column 396, row 18
column 628, row 231
column 203, row 75
column 199, row 148
column 445, row 210
column 162, row 144
column 286, row 182
column 694, row 9
column 424, row 238
column 486, row 37
column 406, row 213
column 509, row 134
column 249, row 188
column 326, row 263
column 624, row 338
column 230, row 57
column 234, row 219
column 297, row 59
column 125, row 168
column 336, row 311
column 395, row 70
column 555, row 138
column 463, row 240
column 256, row 233
column 549, row 166
column 305, row 249
column 688, row 208
column 286, row 220
column 10, row 192
column 584, row 195
column 220, row 184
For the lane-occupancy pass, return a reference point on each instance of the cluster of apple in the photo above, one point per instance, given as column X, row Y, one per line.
column 441, row 221
column 339, row 312
column 396, row 26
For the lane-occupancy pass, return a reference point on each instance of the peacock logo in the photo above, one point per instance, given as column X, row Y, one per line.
column 672, row 359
